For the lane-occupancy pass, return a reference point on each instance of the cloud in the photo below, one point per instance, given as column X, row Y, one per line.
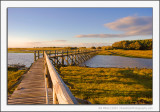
column 93, row 44
column 102, row 35
column 59, row 41
column 67, row 44
column 47, row 43
column 130, row 26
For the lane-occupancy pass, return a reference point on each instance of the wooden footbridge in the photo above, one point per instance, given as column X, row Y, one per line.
column 42, row 84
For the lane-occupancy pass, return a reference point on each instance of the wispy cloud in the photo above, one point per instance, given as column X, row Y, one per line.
column 59, row 41
column 66, row 44
column 130, row 26
column 94, row 44
column 47, row 43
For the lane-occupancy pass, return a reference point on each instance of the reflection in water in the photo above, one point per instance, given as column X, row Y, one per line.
column 118, row 61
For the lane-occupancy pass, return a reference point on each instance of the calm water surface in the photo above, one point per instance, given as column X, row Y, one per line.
column 21, row 58
column 97, row 61
column 118, row 61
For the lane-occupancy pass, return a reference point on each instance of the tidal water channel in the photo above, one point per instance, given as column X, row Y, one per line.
column 97, row 61
column 118, row 61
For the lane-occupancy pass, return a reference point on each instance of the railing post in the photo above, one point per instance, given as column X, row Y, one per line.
column 46, row 81
column 55, row 53
column 34, row 55
column 47, row 75
column 75, row 57
column 62, row 59
column 43, row 53
column 67, row 58
column 38, row 54
column 49, row 82
column 71, row 58
column 57, row 58
column 49, row 53
column 67, row 52
column 55, row 101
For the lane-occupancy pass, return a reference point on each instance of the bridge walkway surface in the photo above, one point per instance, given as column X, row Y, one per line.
column 31, row 90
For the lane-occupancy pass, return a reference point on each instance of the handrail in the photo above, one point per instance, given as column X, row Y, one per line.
column 61, row 93
column 40, row 53
column 46, row 89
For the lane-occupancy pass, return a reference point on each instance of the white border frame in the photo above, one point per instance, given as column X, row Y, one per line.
column 154, row 4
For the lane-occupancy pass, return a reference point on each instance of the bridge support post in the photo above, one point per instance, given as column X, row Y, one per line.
column 43, row 53
column 49, row 53
column 38, row 54
column 57, row 58
column 67, row 58
column 62, row 59
column 34, row 55
column 71, row 59
column 75, row 57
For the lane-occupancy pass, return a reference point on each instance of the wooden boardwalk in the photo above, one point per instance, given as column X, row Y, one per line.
column 31, row 90
column 43, row 85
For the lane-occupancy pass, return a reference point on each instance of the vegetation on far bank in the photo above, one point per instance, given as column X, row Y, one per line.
column 31, row 50
column 109, row 85
column 13, row 77
column 128, row 53
column 126, row 44
column 133, row 44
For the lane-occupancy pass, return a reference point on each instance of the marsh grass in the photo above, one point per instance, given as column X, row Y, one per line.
column 128, row 53
column 109, row 85
column 13, row 76
column 29, row 50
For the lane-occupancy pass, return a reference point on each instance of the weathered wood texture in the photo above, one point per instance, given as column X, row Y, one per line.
column 31, row 90
column 61, row 93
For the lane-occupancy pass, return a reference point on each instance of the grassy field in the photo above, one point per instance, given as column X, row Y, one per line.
column 13, row 76
column 109, row 85
column 128, row 53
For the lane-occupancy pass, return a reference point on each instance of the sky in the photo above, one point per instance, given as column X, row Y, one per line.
column 76, row 27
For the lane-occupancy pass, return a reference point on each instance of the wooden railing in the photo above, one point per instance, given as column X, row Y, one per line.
column 61, row 93
column 40, row 53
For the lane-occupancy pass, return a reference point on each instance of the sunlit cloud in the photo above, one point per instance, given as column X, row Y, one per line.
column 67, row 44
column 57, row 43
column 130, row 26
column 94, row 44
column 47, row 43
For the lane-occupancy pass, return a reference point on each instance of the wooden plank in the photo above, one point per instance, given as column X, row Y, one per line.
column 31, row 90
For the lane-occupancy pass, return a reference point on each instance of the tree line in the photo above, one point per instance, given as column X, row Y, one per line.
column 133, row 44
